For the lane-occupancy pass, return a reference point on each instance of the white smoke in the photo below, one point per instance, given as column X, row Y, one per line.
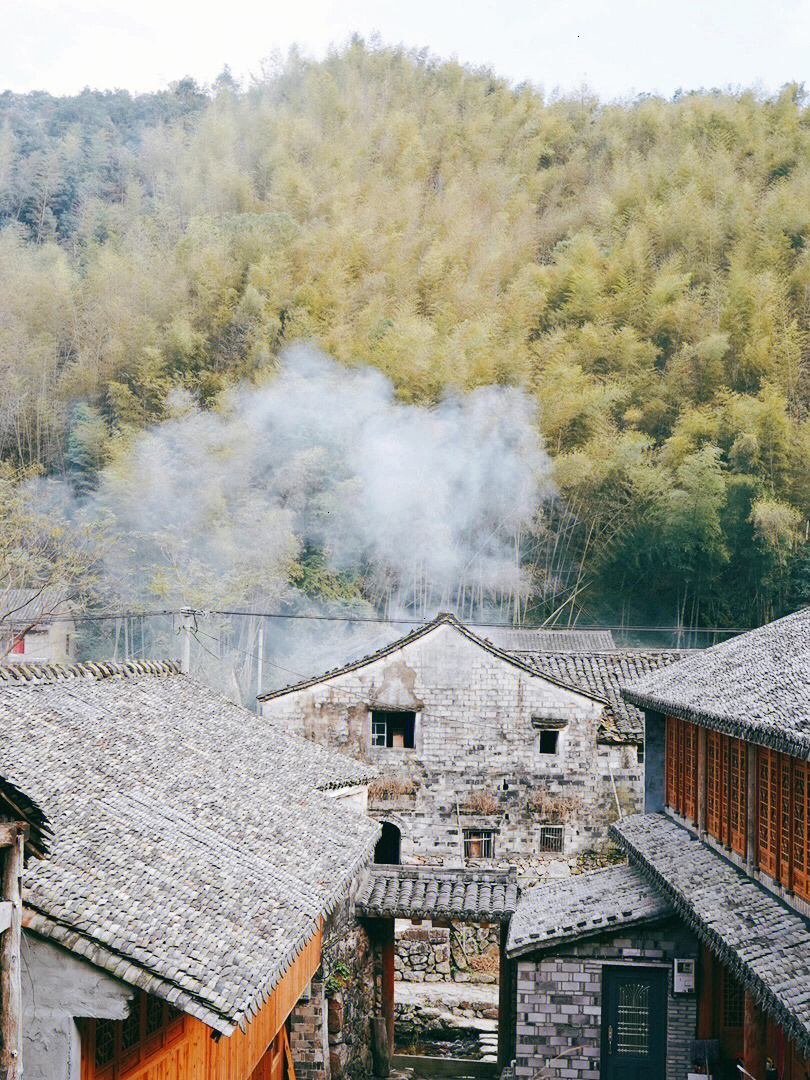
column 424, row 506
column 430, row 500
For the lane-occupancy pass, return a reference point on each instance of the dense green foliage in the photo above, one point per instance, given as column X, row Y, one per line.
column 642, row 270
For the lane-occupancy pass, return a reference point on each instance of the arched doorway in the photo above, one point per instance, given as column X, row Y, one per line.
column 387, row 850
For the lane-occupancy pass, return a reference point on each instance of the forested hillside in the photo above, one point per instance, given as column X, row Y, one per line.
column 640, row 271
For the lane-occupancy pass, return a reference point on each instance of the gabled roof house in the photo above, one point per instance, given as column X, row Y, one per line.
column 705, row 934
column 194, row 854
column 489, row 748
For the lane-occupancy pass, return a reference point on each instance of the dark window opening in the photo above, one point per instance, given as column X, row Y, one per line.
column 393, row 729
column 640, row 753
column 479, row 844
column 387, row 850
column 547, row 742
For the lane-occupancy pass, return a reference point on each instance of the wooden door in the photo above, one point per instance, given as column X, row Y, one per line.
column 276, row 1062
column 634, row 1023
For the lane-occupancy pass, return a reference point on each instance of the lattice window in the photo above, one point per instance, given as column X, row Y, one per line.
column 131, row 1027
column 633, row 1019
column 154, row 1015
column 690, row 772
column 785, row 820
column 768, row 796
column 714, row 789
column 672, row 761
column 733, row 1002
column 105, row 1042
column 801, row 829
column 114, row 1047
column 738, row 796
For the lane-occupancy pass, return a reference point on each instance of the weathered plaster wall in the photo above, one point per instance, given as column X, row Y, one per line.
column 559, row 1001
column 58, row 987
column 475, row 744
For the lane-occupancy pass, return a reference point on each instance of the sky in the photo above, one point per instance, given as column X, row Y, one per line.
column 617, row 48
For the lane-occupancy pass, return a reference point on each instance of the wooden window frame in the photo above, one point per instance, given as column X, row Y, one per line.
column 714, row 786
column 682, row 767
column 737, row 795
column 125, row 1061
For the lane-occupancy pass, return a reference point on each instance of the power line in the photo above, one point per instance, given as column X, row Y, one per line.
column 394, row 621
column 280, row 667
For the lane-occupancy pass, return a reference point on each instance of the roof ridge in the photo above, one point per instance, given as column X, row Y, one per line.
column 47, row 671
column 443, row 617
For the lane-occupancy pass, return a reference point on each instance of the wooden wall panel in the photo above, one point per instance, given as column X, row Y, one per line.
column 195, row 1055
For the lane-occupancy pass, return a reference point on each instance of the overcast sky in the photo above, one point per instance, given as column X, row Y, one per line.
column 616, row 47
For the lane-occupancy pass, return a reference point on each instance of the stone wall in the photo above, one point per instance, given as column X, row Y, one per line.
column 559, row 1001
column 330, row 1032
column 460, row 952
column 475, row 763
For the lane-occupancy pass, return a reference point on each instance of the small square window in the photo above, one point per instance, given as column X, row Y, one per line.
column 479, row 844
column 550, row 838
column 394, row 729
column 548, row 741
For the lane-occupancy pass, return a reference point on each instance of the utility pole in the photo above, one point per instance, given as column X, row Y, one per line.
column 259, row 665
column 189, row 628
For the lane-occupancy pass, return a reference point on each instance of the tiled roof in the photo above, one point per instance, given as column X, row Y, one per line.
column 604, row 673
column 191, row 854
column 522, row 639
column 755, row 686
column 764, row 944
column 515, row 659
column 423, row 892
column 581, row 906
column 25, row 605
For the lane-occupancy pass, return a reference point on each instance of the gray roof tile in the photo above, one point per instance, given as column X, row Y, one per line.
column 764, row 944
column 539, row 639
column 582, row 906
column 755, row 686
column 604, row 674
column 422, row 892
column 188, row 838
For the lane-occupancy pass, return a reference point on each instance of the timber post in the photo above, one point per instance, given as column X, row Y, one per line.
column 10, row 973
column 754, row 1034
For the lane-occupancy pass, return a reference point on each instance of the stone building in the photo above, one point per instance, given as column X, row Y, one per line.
column 192, row 913
column 483, row 754
column 695, row 956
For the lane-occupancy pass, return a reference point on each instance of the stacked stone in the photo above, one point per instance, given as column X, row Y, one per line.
column 423, row 955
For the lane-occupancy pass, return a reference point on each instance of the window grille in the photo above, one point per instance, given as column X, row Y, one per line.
column 479, row 844
column 633, row 1019
column 550, row 838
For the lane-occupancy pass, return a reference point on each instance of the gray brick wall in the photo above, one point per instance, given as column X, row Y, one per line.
column 474, row 735
column 559, row 1002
